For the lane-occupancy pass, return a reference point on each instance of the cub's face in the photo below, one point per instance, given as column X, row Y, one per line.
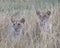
column 43, row 15
column 44, row 19
column 17, row 24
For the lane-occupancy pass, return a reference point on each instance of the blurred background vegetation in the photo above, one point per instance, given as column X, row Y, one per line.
column 13, row 6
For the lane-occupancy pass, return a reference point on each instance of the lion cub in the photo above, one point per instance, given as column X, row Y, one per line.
column 15, row 28
column 44, row 19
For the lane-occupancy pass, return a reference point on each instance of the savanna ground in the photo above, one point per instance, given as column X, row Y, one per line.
column 27, row 9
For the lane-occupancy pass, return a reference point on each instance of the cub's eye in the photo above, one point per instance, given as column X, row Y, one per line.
column 13, row 24
column 18, row 24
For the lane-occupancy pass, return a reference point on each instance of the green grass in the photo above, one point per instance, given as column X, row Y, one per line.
column 14, row 5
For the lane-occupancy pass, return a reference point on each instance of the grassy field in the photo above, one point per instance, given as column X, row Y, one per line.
column 32, row 37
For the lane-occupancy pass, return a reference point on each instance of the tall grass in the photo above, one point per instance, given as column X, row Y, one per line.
column 33, row 37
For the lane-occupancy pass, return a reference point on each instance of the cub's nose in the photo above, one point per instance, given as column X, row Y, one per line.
column 16, row 29
column 19, row 24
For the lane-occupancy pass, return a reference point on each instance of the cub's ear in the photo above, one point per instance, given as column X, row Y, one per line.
column 12, row 20
column 38, row 12
column 49, row 13
column 22, row 20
